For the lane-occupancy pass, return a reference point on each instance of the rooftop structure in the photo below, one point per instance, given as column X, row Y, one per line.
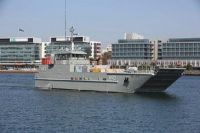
column 131, row 36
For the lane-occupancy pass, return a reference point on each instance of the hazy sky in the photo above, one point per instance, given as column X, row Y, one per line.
column 102, row 20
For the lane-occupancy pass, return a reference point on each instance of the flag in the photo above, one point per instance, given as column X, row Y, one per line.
column 21, row 30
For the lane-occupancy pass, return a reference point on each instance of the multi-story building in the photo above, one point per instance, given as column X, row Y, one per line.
column 179, row 52
column 132, row 52
column 44, row 49
column 83, row 43
column 95, row 52
column 20, row 50
column 96, row 49
column 62, row 43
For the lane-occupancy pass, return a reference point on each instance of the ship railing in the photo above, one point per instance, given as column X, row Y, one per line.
column 145, row 71
column 132, row 72
column 69, row 61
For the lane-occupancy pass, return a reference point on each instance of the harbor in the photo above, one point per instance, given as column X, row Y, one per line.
column 99, row 66
column 26, row 109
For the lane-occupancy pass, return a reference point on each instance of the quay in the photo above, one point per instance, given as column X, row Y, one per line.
column 192, row 73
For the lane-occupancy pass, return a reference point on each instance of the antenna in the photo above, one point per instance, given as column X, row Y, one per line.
column 65, row 23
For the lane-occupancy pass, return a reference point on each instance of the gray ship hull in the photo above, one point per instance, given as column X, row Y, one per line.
column 58, row 78
column 104, row 82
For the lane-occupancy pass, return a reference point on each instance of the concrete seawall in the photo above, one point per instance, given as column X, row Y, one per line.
column 192, row 72
column 18, row 71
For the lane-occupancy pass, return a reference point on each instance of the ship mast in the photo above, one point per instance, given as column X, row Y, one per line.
column 71, row 38
column 65, row 23
column 71, row 30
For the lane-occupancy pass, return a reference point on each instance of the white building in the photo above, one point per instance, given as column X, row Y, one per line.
column 132, row 36
column 43, row 48
column 83, row 43
column 96, row 49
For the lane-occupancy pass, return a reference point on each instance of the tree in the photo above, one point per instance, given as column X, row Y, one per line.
column 105, row 57
column 189, row 66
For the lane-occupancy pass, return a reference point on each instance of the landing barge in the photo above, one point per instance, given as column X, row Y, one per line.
column 72, row 70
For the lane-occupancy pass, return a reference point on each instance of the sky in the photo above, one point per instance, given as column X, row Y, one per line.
column 101, row 20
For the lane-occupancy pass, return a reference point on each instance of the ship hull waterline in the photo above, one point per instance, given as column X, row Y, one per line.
column 106, row 85
column 136, row 82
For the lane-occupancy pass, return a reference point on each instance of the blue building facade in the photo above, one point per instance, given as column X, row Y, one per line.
column 179, row 52
column 60, row 43
column 20, row 50
column 132, row 52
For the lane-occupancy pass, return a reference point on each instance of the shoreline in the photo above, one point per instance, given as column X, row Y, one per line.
column 186, row 73
column 192, row 73
column 19, row 71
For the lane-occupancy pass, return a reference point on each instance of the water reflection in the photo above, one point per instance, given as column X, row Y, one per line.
column 157, row 96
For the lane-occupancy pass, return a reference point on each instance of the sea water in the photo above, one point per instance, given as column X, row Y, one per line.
column 26, row 109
